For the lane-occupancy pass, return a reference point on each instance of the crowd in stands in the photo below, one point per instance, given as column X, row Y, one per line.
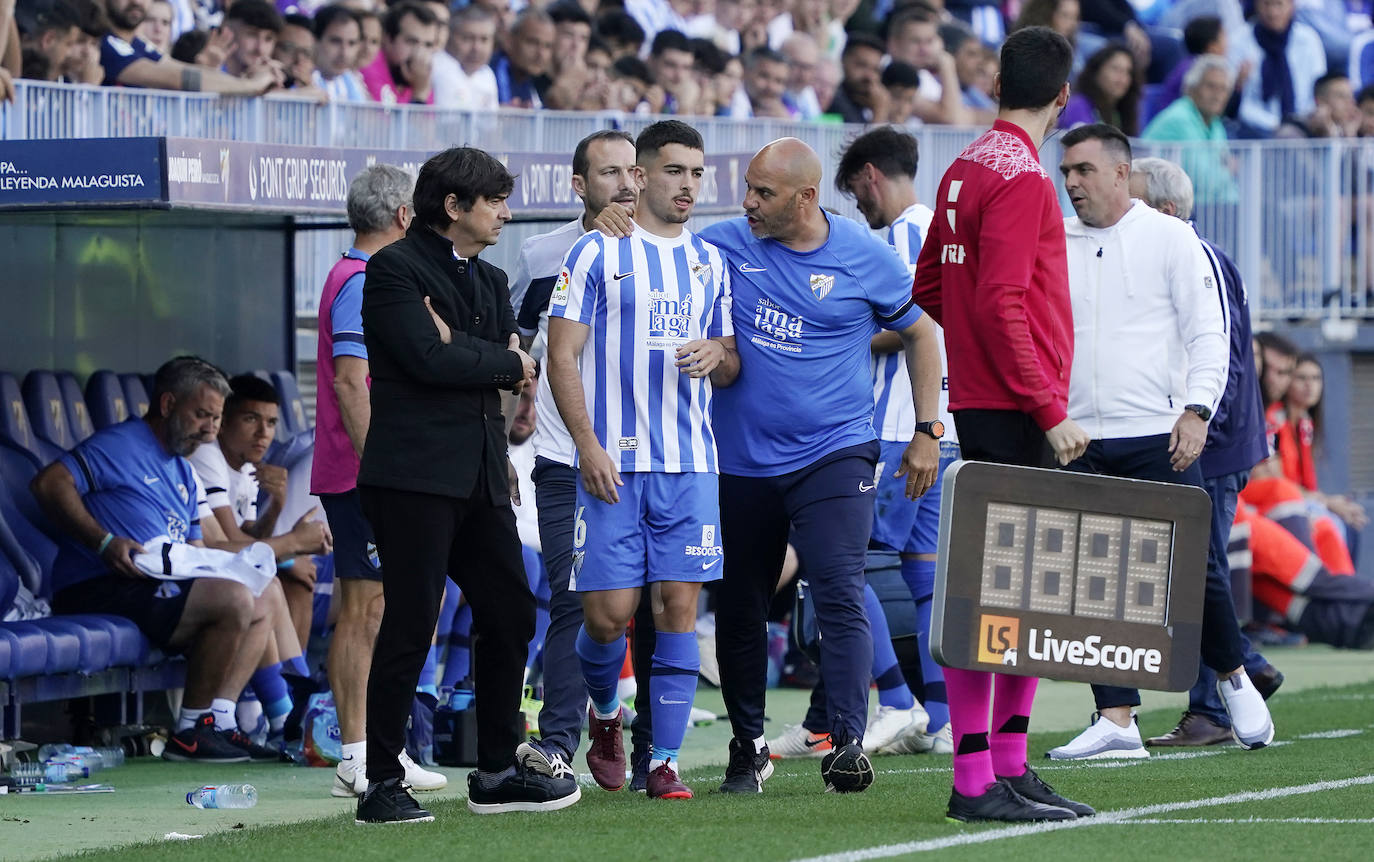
column 1171, row 70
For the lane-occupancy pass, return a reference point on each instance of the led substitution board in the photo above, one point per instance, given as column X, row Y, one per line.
column 1070, row 576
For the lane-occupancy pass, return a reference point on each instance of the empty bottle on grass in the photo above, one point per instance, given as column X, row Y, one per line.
column 224, row 796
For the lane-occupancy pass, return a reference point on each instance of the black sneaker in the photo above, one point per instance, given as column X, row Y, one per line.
column 846, row 769
column 519, row 788
column 639, row 769
column 390, row 802
column 1028, row 785
column 747, row 769
column 201, row 743
column 1000, row 802
column 256, row 753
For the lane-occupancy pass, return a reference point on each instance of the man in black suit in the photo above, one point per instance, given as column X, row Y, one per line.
column 442, row 341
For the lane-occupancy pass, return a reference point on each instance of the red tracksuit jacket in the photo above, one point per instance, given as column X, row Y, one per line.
column 993, row 273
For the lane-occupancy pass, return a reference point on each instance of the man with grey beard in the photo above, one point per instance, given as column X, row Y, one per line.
column 130, row 484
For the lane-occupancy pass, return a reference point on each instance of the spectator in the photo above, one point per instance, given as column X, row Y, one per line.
column 338, row 41
column 1277, row 356
column 970, row 58
column 156, row 28
column 1108, row 92
column 670, row 62
column 902, row 82
column 131, row 62
column 723, row 27
column 400, row 73
column 636, row 90
column 256, row 25
column 1334, row 113
column 619, row 30
column 572, row 31
column 802, row 56
column 827, row 81
column 83, row 60
column 1061, row 16
column 520, row 71
column 1365, row 101
column 1299, row 442
column 655, row 16
column 1290, row 59
column 1196, row 118
column 129, row 484
column 504, row 13
column 371, row 24
column 1116, row 20
column 860, row 97
column 765, row 80
column 462, row 75
column 295, row 51
column 913, row 37
column 1203, row 36
column 47, row 40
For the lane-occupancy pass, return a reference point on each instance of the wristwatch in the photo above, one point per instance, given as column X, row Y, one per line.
column 1202, row 410
column 936, row 429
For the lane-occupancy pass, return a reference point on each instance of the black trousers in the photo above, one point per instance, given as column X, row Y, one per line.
column 1148, row 458
column 420, row 539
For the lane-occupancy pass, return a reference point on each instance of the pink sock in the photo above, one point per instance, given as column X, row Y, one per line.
column 1011, row 708
column 969, row 694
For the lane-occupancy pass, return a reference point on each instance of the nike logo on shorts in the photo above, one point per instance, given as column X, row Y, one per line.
column 706, row 567
column 865, row 487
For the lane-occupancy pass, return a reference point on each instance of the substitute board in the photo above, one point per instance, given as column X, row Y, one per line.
column 1070, row 576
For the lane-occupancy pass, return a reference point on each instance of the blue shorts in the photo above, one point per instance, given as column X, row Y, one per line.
column 899, row 524
column 666, row 527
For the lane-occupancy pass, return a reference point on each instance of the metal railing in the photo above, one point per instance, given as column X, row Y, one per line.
column 1297, row 216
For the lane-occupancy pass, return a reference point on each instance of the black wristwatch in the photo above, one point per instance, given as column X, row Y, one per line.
column 935, row 428
column 1202, row 410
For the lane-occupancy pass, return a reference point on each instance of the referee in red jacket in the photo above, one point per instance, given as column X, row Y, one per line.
column 993, row 273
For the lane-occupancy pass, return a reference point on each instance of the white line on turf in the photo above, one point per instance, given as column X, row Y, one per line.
column 1332, row 734
column 1104, row 818
column 1214, row 820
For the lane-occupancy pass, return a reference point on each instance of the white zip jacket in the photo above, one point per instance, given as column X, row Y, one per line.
column 1148, row 326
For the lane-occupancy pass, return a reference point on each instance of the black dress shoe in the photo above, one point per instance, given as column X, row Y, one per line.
column 520, row 788
column 390, row 802
column 1030, row 786
column 1267, row 680
column 999, row 802
column 1193, row 729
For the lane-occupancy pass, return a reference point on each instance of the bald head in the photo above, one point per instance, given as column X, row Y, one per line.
column 782, row 195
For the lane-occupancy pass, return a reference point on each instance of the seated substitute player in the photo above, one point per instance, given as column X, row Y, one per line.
column 808, row 291
column 647, row 319
column 879, row 170
column 1151, row 368
column 131, row 483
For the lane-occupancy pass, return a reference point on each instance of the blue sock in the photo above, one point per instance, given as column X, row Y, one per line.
column 458, row 666
column 296, row 666
column 272, row 691
column 539, row 585
column 601, row 665
column 892, row 690
column 673, row 687
column 920, row 578
column 428, row 672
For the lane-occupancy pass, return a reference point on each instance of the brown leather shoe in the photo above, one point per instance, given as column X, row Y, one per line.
column 1267, row 680
column 1193, row 729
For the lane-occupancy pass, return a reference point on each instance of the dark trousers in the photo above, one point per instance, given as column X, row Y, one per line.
column 830, row 515
column 1002, row 437
column 1148, row 458
column 565, row 692
column 420, row 539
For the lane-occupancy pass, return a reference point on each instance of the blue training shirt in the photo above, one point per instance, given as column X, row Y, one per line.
column 803, row 323
column 133, row 488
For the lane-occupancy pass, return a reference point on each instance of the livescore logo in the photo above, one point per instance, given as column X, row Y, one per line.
column 997, row 639
column 999, row 642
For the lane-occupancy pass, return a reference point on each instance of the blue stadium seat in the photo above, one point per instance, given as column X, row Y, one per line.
column 128, row 646
column 134, row 394
column 106, row 400
column 47, row 409
column 63, row 646
column 32, row 533
column 78, row 417
column 292, row 408
column 14, row 422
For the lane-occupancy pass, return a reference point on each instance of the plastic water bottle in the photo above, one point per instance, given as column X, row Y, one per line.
column 224, row 796
column 111, row 757
column 29, row 774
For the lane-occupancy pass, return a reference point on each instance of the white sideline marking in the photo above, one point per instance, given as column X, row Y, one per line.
column 1216, row 820
column 1096, row 764
column 1102, row 819
column 1332, row 734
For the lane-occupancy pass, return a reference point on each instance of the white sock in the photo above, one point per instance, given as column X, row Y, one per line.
column 223, row 708
column 276, row 723
column 248, row 711
column 354, row 751
column 759, row 745
column 657, row 762
column 187, row 718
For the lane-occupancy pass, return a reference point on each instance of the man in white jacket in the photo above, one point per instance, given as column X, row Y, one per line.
column 1151, row 352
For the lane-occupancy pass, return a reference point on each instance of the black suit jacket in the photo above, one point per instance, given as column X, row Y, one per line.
column 436, row 413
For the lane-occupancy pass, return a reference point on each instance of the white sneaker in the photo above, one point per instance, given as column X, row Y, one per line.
column 889, row 724
column 1103, row 740
column 1251, row 723
column 939, row 742
column 797, row 741
column 420, row 778
column 350, row 778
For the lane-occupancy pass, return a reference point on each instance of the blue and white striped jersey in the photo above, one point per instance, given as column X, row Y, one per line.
column 894, row 414
column 644, row 296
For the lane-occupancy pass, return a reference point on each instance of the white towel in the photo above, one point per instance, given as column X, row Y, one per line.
column 254, row 567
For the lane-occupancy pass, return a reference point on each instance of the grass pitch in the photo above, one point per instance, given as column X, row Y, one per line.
column 1310, row 796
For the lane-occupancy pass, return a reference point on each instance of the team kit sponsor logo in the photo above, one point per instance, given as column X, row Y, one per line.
column 999, row 643
column 708, row 546
column 783, row 330
column 560, row 287
column 670, row 320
